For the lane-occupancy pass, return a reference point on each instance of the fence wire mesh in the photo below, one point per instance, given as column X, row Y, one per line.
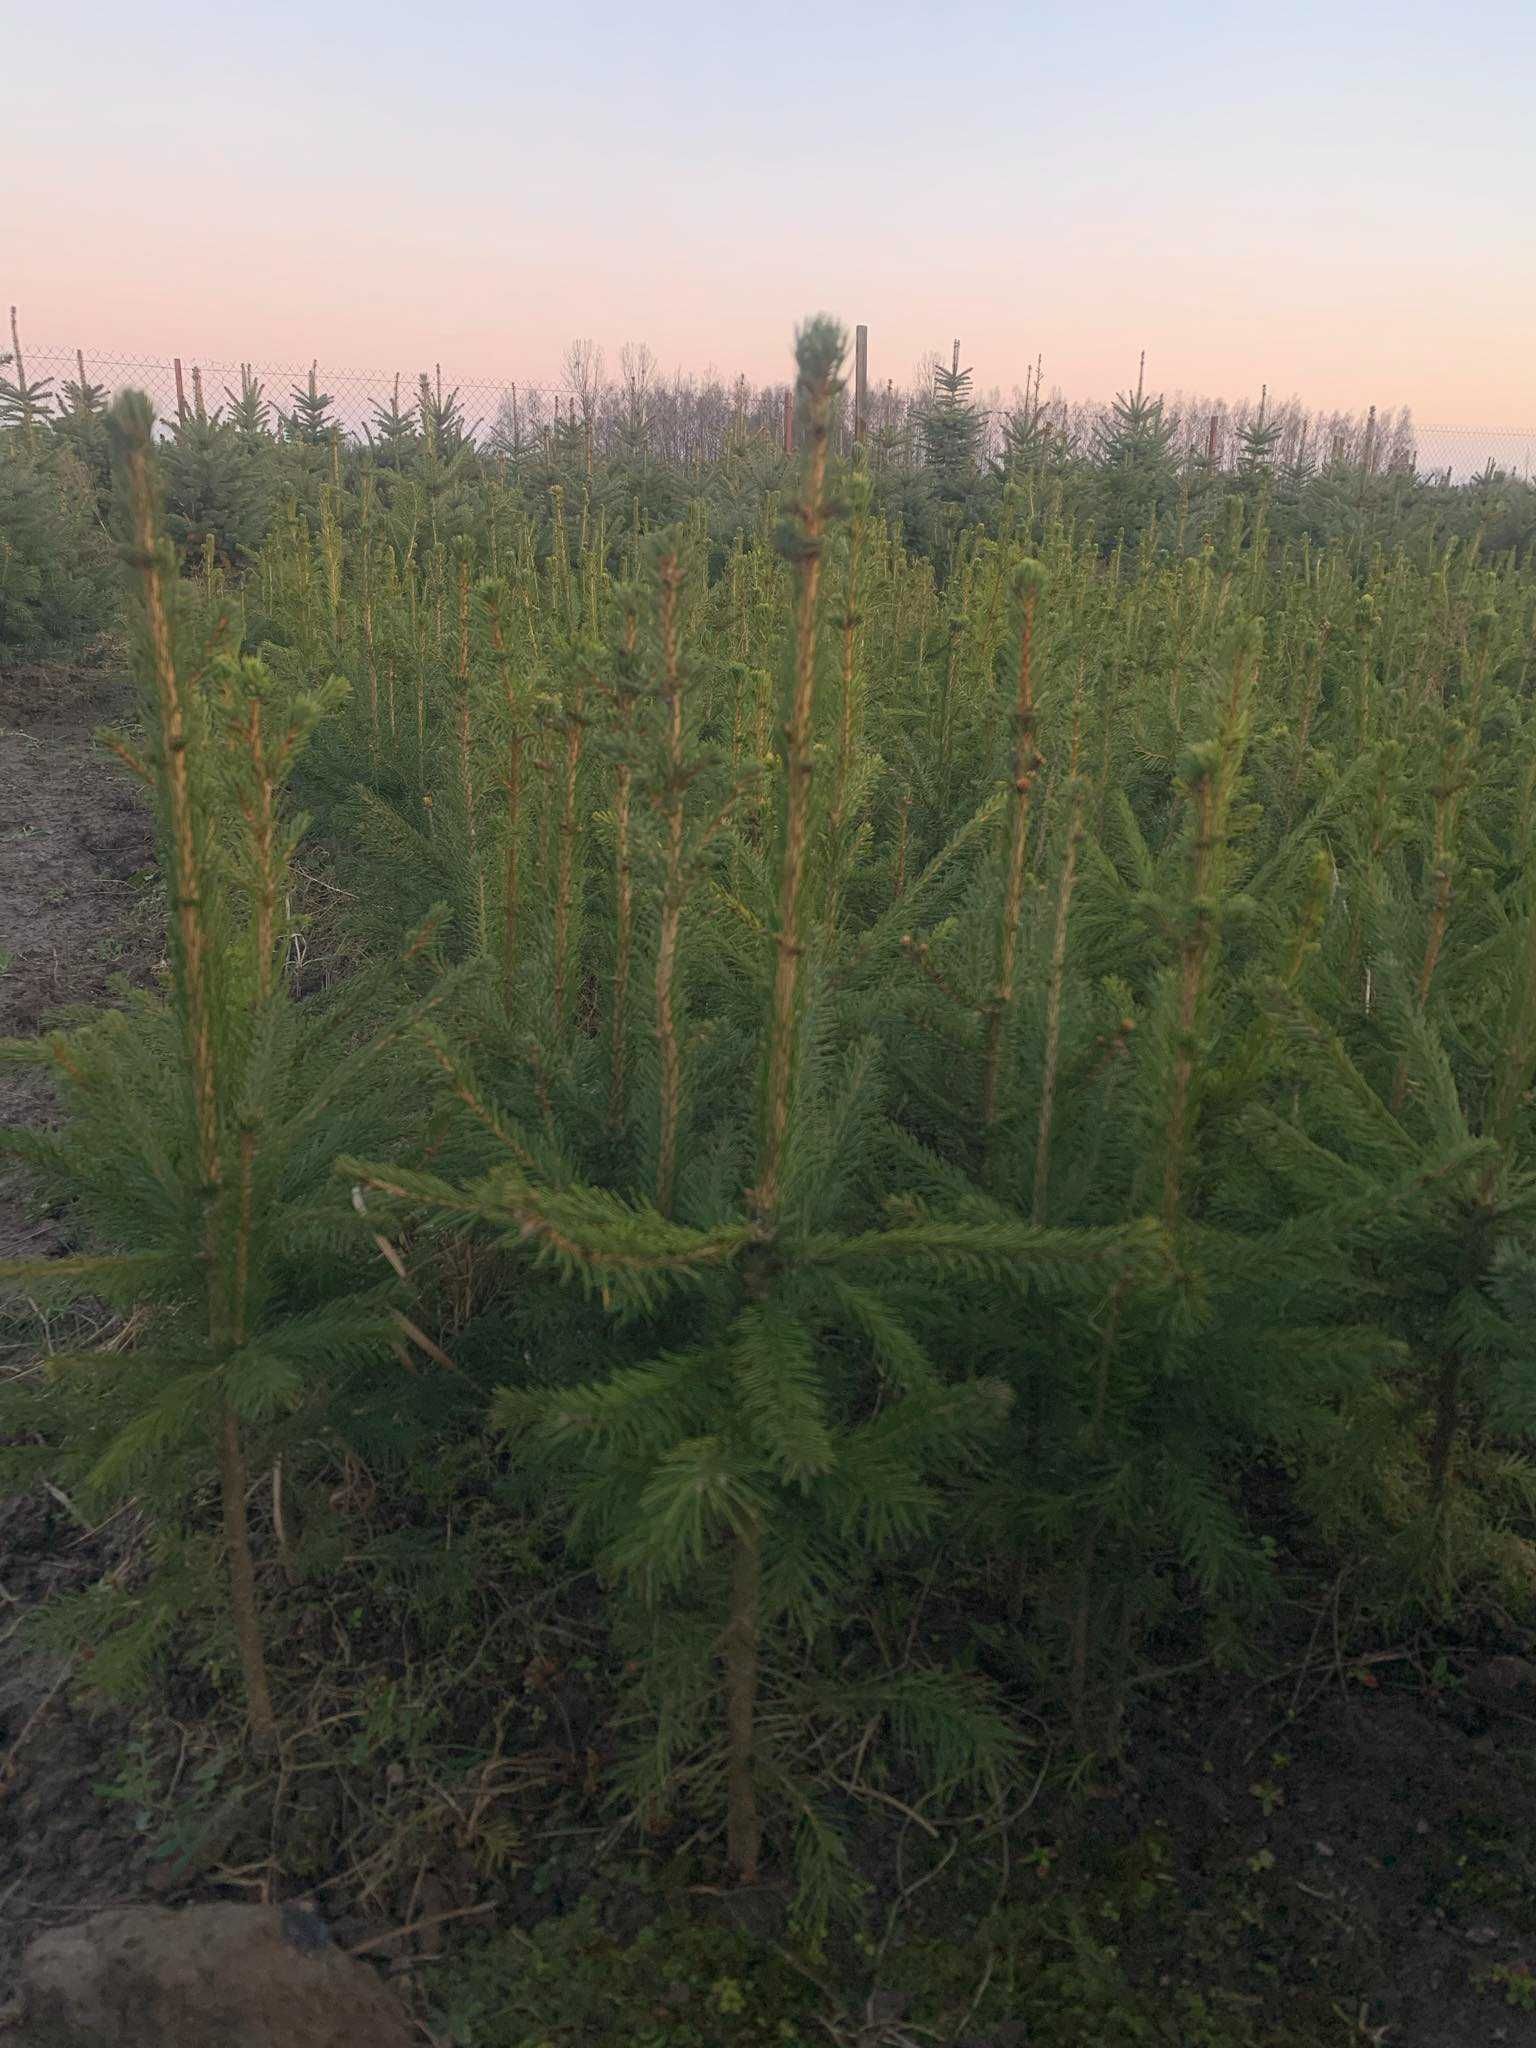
column 685, row 419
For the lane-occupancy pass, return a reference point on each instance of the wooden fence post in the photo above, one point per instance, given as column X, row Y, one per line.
column 860, row 382
column 181, row 390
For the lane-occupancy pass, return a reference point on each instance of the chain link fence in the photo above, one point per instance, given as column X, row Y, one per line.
column 689, row 419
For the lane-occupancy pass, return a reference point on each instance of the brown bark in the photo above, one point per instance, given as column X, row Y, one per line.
column 243, row 1599
column 744, row 1829
column 1025, row 762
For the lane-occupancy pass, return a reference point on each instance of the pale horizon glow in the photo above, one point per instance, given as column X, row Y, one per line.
column 1332, row 201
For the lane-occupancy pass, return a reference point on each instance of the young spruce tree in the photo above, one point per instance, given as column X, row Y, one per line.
column 201, row 1127
column 770, row 1427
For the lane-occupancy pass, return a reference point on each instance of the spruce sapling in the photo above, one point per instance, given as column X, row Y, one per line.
column 197, row 1144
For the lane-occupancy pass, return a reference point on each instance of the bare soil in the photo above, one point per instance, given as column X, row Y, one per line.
column 1373, row 1857
column 77, row 925
column 76, row 864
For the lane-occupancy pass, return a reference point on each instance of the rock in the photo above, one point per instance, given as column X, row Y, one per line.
column 213, row 1976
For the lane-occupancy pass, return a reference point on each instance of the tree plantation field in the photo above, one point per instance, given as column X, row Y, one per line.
column 800, row 1303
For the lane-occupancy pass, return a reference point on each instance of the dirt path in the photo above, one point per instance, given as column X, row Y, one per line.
column 74, row 836
column 77, row 920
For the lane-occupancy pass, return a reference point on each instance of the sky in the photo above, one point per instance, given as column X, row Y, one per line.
column 1333, row 200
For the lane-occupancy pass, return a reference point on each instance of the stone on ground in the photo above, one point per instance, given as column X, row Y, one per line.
column 212, row 1976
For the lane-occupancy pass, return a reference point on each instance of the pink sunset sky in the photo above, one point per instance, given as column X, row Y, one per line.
column 1335, row 201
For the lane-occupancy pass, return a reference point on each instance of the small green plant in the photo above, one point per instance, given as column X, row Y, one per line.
column 1517, row 1981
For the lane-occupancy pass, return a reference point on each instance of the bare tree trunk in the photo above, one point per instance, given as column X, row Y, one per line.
column 744, row 1828
column 242, row 1586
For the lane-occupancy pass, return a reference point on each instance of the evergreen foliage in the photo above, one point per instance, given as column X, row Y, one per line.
column 249, row 412
column 202, row 1127
column 309, row 417
column 24, row 401
column 1134, row 453
column 951, row 1102
column 394, row 431
column 56, row 581
column 1257, row 441
column 951, row 429
column 217, row 491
